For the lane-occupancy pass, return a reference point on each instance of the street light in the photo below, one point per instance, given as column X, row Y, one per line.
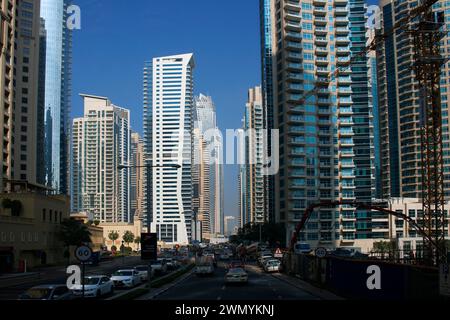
column 149, row 166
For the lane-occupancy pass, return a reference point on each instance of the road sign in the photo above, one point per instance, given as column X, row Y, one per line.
column 83, row 253
column 321, row 252
column 149, row 246
column 278, row 254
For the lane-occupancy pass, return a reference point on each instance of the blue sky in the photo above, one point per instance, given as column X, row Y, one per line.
column 117, row 36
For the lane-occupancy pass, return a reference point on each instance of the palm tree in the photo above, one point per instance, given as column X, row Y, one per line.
column 73, row 233
column 113, row 236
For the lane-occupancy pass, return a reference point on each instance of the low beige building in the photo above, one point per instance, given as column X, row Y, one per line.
column 121, row 228
column 29, row 222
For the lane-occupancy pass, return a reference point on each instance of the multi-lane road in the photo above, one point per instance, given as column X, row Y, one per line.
column 260, row 286
column 58, row 275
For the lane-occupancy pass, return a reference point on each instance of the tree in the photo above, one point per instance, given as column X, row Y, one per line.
column 73, row 233
column 137, row 241
column 96, row 223
column 128, row 237
column 113, row 236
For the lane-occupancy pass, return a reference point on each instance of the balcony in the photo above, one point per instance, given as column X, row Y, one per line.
column 343, row 50
column 321, row 41
column 324, row 102
column 294, row 76
column 294, row 26
column 322, row 51
column 293, row 5
column 344, row 80
column 290, row 35
column 293, row 45
column 342, row 40
column 320, row 21
column 291, row 66
column 321, row 71
column 293, row 15
column 341, row 11
column 322, row 61
column 320, row 2
column 320, row 11
column 341, row 21
column 342, row 31
column 345, row 111
column 295, row 56
column 341, row 2
column 345, row 102
column 321, row 31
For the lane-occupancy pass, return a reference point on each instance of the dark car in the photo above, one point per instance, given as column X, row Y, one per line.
column 47, row 292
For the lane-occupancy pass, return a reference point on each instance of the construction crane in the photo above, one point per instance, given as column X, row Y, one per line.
column 427, row 65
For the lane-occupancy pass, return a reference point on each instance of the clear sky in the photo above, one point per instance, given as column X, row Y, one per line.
column 117, row 36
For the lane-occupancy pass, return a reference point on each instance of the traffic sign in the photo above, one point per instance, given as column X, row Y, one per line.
column 83, row 253
column 321, row 252
column 278, row 254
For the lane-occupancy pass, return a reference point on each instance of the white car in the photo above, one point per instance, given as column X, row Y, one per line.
column 126, row 278
column 171, row 263
column 94, row 287
column 272, row 265
column 236, row 275
column 264, row 257
column 143, row 272
column 159, row 266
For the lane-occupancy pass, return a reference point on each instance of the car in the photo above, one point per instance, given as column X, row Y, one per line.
column 47, row 292
column 143, row 271
column 159, row 266
column 236, row 275
column 126, row 278
column 236, row 264
column 171, row 263
column 272, row 265
column 264, row 257
column 204, row 266
column 94, row 287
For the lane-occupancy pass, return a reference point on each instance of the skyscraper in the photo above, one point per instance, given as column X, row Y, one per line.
column 267, row 93
column 206, row 122
column 57, row 93
column 325, row 147
column 19, row 63
column 170, row 113
column 137, row 176
column 254, row 209
column 101, row 142
column 400, row 106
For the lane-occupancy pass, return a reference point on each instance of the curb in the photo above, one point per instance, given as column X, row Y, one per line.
column 143, row 287
column 309, row 288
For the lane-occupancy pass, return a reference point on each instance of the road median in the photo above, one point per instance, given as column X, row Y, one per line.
column 155, row 284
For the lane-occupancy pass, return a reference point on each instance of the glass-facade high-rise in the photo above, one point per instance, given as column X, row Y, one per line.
column 57, row 93
column 400, row 106
column 322, row 108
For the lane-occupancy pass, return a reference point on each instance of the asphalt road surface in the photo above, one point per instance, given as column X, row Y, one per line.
column 58, row 275
column 261, row 286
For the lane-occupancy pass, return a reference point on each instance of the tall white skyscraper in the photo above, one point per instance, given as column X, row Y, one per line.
column 170, row 111
column 100, row 143
column 206, row 122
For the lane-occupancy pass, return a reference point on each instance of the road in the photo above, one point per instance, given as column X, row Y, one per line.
column 261, row 286
column 57, row 275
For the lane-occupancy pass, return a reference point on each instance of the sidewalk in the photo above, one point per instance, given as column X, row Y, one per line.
column 300, row 284
column 306, row 286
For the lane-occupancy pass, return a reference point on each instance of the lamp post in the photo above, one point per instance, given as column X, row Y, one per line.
column 149, row 166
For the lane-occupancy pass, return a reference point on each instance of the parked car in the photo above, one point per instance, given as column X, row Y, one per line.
column 272, row 265
column 143, row 271
column 126, row 278
column 349, row 253
column 159, row 266
column 47, row 292
column 94, row 286
column 236, row 275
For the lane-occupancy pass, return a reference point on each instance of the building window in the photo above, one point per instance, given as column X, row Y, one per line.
column 43, row 215
column 50, row 218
